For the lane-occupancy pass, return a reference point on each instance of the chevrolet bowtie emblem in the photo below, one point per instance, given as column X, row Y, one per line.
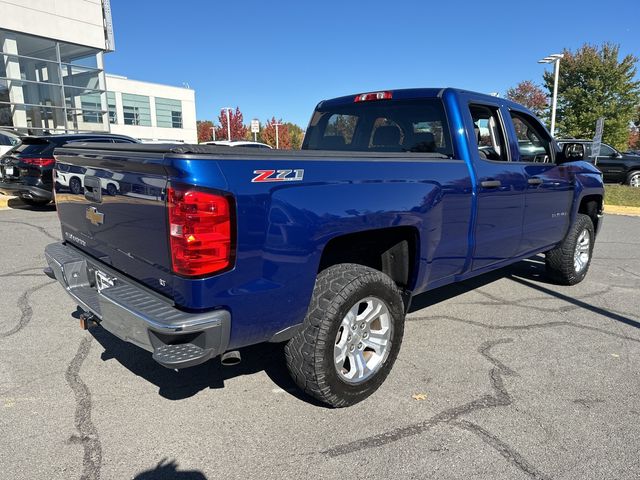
column 94, row 216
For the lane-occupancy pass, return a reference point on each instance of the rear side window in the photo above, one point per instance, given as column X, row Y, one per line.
column 489, row 133
column 418, row 126
column 606, row 150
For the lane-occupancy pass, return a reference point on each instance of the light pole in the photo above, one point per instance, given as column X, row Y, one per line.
column 213, row 133
column 228, row 109
column 277, row 136
column 555, row 59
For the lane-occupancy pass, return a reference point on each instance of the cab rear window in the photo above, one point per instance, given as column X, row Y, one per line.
column 414, row 126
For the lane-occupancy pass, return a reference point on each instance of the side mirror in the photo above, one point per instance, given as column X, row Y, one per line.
column 573, row 152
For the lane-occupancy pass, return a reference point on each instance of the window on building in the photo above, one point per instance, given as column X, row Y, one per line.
column 136, row 110
column 111, row 101
column 91, row 108
column 42, row 79
column 169, row 113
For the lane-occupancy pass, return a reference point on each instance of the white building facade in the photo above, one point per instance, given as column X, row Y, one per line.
column 52, row 76
column 150, row 111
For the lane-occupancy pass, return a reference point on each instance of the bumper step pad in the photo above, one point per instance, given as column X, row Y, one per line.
column 177, row 355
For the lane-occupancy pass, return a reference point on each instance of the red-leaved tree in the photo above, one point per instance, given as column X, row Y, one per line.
column 238, row 129
column 205, row 134
column 268, row 134
column 530, row 95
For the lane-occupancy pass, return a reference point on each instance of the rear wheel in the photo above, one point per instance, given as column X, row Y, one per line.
column 351, row 335
column 569, row 262
column 112, row 190
column 633, row 179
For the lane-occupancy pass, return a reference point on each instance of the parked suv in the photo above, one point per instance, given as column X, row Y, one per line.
column 27, row 170
column 616, row 167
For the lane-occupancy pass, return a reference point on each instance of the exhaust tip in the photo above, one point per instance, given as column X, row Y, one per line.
column 229, row 359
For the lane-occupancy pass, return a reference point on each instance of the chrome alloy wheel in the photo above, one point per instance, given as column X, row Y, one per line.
column 582, row 252
column 634, row 181
column 363, row 341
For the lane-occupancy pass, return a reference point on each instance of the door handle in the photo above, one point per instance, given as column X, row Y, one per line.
column 491, row 184
column 535, row 181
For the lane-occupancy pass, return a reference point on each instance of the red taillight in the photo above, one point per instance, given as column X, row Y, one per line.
column 38, row 161
column 199, row 231
column 368, row 97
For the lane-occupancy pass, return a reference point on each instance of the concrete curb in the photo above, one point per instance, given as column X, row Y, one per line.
column 621, row 210
column 4, row 201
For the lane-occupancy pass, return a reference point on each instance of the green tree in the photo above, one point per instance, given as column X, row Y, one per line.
column 594, row 83
column 296, row 134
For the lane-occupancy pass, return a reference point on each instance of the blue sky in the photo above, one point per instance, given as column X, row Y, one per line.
column 279, row 58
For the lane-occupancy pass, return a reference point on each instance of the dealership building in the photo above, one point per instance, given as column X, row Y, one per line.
column 52, row 77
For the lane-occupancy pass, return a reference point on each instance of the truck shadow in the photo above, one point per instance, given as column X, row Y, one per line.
column 529, row 269
column 185, row 383
column 529, row 273
column 269, row 357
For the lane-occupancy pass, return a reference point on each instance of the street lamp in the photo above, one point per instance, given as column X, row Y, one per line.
column 555, row 59
column 228, row 109
column 277, row 136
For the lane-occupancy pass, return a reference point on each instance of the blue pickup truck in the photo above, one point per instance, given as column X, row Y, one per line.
column 207, row 249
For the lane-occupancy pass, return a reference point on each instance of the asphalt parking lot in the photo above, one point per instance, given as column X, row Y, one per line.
column 502, row 377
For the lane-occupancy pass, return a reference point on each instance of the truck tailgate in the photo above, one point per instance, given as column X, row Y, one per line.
column 112, row 206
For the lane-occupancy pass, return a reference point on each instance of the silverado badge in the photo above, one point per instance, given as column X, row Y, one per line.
column 94, row 216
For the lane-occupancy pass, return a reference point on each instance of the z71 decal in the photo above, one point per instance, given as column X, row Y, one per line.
column 278, row 176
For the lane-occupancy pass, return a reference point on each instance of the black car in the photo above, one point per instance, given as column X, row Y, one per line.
column 27, row 170
column 616, row 167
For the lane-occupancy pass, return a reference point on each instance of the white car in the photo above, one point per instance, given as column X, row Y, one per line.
column 238, row 143
column 8, row 140
column 72, row 178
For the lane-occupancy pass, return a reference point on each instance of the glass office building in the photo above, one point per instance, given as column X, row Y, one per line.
column 52, row 77
column 51, row 86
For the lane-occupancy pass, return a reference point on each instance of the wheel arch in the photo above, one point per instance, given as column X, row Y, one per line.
column 592, row 206
column 394, row 251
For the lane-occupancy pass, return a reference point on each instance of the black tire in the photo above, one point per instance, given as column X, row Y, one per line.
column 75, row 186
column 112, row 189
column 560, row 262
column 32, row 202
column 633, row 179
column 310, row 353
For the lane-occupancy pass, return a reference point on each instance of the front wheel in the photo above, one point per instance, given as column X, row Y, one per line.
column 569, row 262
column 633, row 179
column 351, row 335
